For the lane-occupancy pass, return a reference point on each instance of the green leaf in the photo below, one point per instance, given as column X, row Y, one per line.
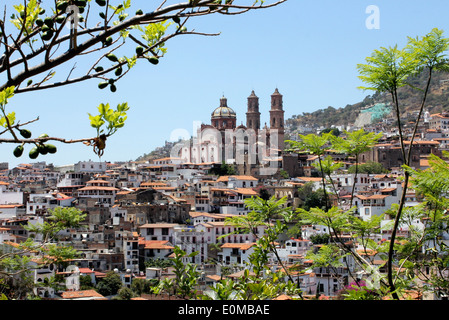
column 5, row 95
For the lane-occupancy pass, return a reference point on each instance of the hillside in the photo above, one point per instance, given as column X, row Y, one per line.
column 159, row 152
column 437, row 101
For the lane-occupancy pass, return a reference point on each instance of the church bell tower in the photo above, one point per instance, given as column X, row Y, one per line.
column 277, row 119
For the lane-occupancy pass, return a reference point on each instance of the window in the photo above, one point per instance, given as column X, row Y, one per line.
column 165, row 231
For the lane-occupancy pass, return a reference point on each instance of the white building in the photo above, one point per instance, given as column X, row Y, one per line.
column 190, row 240
column 101, row 190
column 90, row 166
column 158, row 231
column 293, row 249
column 220, row 232
column 10, row 194
column 236, row 253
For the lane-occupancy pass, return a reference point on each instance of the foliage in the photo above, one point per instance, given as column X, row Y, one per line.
column 141, row 286
column 369, row 167
column 53, row 44
column 124, row 293
column 223, row 169
column 319, row 238
column 186, row 276
column 258, row 281
column 158, row 263
column 17, row 262
column 110, row 284
column 359, row 291
column 86, row 282
column 389, row 69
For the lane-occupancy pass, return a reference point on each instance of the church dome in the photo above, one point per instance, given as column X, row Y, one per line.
column 223, row 111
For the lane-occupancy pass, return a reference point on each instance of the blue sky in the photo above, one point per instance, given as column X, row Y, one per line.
column 307, row 49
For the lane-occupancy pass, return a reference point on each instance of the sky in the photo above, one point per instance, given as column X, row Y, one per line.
column 308, row 50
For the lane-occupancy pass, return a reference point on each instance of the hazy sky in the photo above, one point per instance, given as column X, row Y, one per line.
column 307, row 49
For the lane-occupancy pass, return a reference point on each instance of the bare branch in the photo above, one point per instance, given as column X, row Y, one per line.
column 100, row 33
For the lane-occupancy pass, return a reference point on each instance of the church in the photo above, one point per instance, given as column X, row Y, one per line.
column 254, row 150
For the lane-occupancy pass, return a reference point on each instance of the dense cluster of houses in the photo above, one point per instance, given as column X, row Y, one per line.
column 139, row 211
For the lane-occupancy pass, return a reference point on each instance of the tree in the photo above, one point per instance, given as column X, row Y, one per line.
column 110, row 284
column 42, row 46
column 124, row 293
column 328, row 167
column 369, row 167
column 317, row 145
column 263, row 283
column 354, row 144
column 16, row 260
column 86, row 282
column 186, row 278
column 223, row 169
column 389, row 69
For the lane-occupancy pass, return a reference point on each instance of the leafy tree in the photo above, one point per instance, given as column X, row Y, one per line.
column 43, row 45
column 16, row 260
column 328, row 167
column 263, row 283
column 354, row 144
column 141, row 286
column 86, row 282
column 335, row 131
column 264, row 194
column 284, row 174
column 389, row 69
column 110, row 284
column 124, row 293
column 369, row 168
column 158, row 263
column 186, row 278
column 223, row 169
column 319, row 238
column 317, row 145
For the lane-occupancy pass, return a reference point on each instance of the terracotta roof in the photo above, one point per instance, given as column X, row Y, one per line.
column 9, row 206
column 156, row 244
column 153, row 184
column 374, row 196
column 241, row 246
column 98, row 188
column 159, row 225
column 245, row 191
column 81, row 294
column 85, row 270
column 214, row 277
column 309, row 179
column 240, row 274
column 239, row 177
column 98, row 181
column 423, row 142
column 283, row 297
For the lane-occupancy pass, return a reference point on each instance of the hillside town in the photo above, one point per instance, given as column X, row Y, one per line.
column 139, row 211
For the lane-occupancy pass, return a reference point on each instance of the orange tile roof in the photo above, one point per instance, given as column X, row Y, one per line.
column 156, row 244
column 241, row 246
column 240, row 177
column 81, row 294
column 98, row 188
column 159, row 225
column 245, row 191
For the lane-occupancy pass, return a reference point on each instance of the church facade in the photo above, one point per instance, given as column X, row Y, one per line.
column 253, row 149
